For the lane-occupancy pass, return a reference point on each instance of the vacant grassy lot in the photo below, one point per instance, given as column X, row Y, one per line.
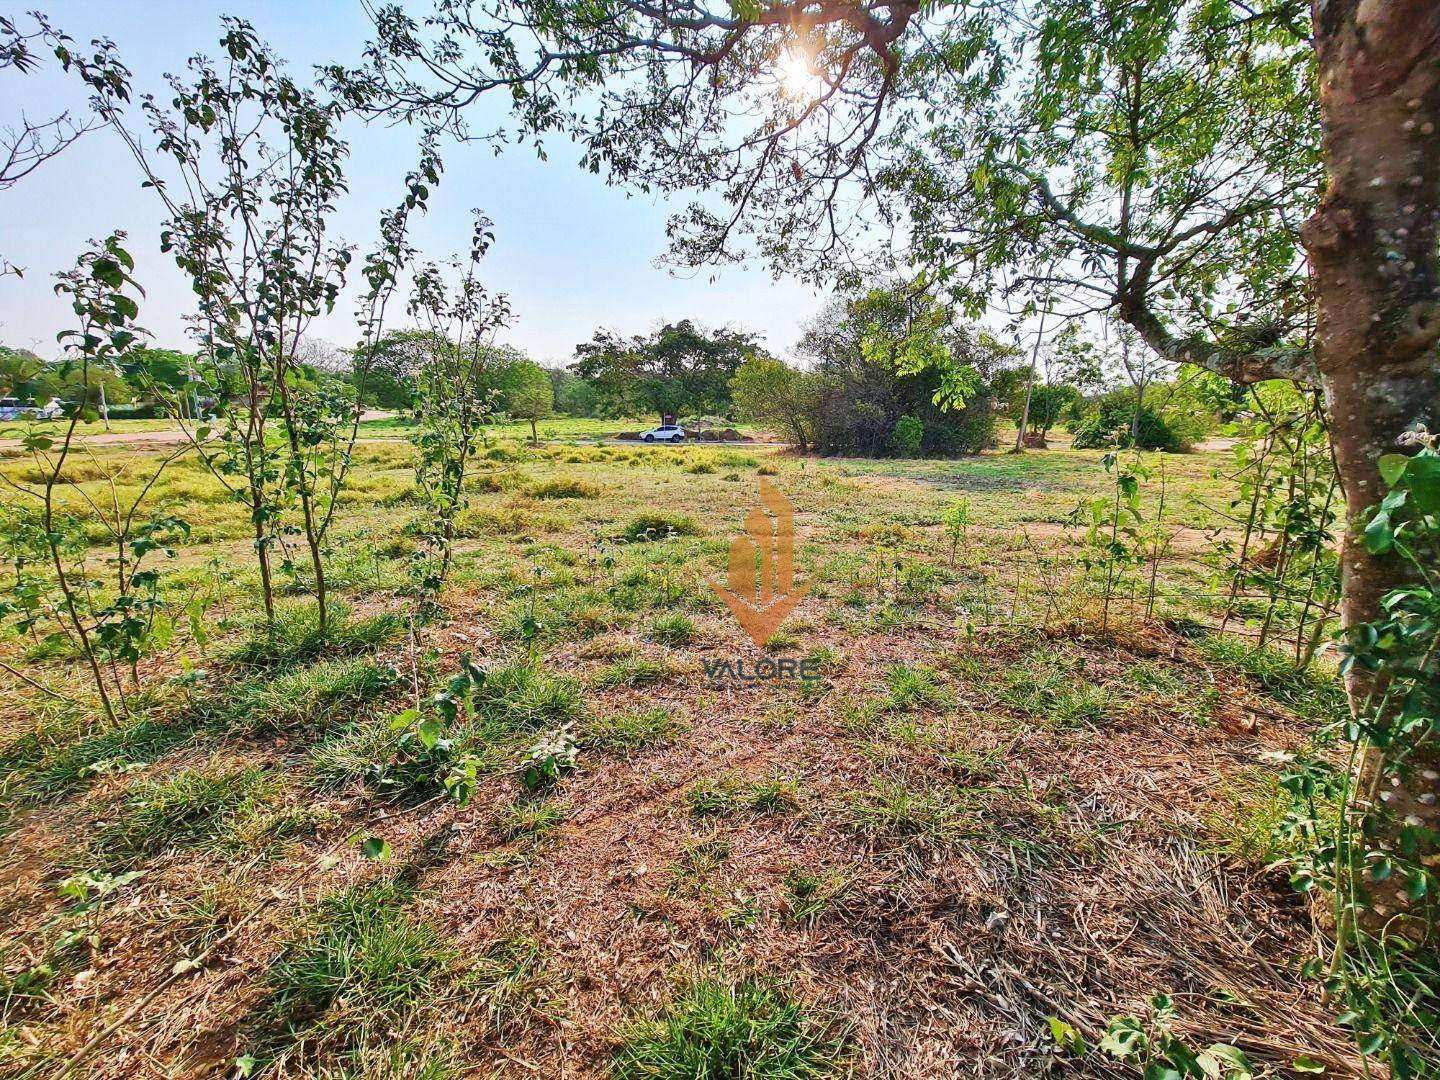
column 999, row 804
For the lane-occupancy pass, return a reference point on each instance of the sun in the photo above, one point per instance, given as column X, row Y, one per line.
column 798, row 80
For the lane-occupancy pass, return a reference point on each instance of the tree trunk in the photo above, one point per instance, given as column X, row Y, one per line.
column 1372, row 248
column 534, row 437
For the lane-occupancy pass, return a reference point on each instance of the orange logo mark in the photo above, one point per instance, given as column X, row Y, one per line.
column 762, row 567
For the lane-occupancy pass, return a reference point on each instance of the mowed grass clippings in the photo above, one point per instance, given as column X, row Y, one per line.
column 980, row 790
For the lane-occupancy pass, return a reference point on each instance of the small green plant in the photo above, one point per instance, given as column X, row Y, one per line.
column 1151, row 1046
column 674, row 629
column 427, row 757
column 717, row 1031
column 548, row 760
column 956, row 520
column 811, row 894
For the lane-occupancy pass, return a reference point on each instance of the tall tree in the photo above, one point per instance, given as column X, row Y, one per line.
column 679, row 369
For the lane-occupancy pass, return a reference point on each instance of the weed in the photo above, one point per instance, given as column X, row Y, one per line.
column 362, row 974
column 731, row 794
column 192, row 809
column 309, row 696
column 811, row 894
column 632, row 731
column 527, row 698
column 715, row 1031
column 674, row 629
column 513, row 985
column 891, row 812
column 917, row 687
column 659, row 526
column 295, row 637
column 529, row 819
column 632, row 671
column 566, row 487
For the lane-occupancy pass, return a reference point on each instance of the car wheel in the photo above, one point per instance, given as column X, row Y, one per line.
column 648, row 438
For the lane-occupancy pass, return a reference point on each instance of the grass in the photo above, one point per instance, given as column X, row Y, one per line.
column 295, row 637
column 365, row 970
column 895, row 814
column 529, row 819
column 632, row 731
column 303, row 697
column 522, row 696
column 657, row 526
column 512, row 983
column 811, row 894
column 713, row 1030
column 917, row 687
column 730, row 794
column 674, row 629
column 1312, row 694
column 197, row 808
column 632, row 671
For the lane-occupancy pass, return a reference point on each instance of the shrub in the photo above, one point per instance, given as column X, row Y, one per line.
column 657, row 525
column 907, row 436
column 1111, row 423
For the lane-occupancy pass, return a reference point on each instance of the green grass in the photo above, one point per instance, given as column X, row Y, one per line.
column 632, row 731
column 566, row 487
column 197, row 808
column 525, row 697
column 674, row 629
column 1311, row 694
column 529, row 819
column 295, row 637
column 657, row 526
column 512, row 983
column 1049, row 688
column 917, row 687
column 632, row 671
column 893, row 813
column 729, row 795
column 365, row 970
column 303, row 697
column 811, row 894
column 751, row 1030
column 137, row 743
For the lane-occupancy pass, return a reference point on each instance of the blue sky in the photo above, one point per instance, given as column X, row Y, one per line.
column 572, row 253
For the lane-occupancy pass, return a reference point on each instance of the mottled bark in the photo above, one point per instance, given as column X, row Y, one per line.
column 1372, row 248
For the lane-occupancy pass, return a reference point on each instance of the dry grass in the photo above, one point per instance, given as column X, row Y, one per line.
column 950, row 837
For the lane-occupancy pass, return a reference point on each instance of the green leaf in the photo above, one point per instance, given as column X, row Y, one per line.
column 1307, row 1064
column 1379, row 534
column 245, row 1065
column 1392, row 467
column 376, row 847
column 1065, row 1036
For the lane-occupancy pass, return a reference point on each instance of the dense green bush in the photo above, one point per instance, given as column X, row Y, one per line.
column 1111, row 422
column 907, row 435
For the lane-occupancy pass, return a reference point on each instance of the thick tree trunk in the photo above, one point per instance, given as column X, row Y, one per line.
column 1372, row 247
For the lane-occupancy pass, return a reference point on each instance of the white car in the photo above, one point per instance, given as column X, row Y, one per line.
column 665, row 433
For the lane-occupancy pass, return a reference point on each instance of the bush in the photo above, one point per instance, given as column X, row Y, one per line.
column 1110, row 424
column 657, row 526
column 907, row 436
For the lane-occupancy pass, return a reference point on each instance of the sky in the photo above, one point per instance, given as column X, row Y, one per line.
column 572, row 253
